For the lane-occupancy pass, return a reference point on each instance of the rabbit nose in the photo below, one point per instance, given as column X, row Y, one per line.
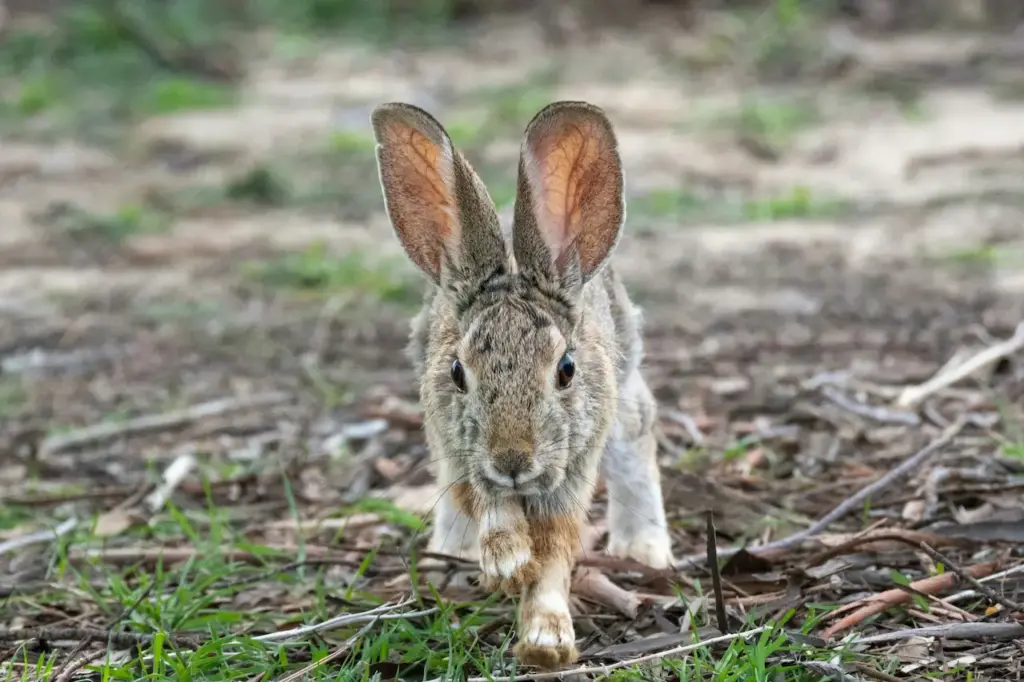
column 512, row 463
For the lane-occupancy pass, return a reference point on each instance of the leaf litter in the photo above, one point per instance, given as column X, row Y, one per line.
column 201, row 491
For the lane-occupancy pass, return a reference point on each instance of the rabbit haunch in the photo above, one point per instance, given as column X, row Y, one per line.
column 528, row 353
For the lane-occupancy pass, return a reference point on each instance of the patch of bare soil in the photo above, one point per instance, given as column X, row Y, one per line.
column 782, row 353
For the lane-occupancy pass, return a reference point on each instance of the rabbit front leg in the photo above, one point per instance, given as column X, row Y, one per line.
column 503, row 538
column 637, row 528
column 546, row 636
column 454, row 531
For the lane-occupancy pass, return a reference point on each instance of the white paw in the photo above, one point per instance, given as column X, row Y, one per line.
column 549, row 629
column 651, row 548
column 504, row 565
column 503, row 553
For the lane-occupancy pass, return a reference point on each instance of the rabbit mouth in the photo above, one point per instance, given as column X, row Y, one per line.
column 534, row 481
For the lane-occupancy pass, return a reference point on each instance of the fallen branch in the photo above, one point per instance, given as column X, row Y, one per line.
column 173, row 477
column 594, row 585
column 946, row 377
column 716, row 574
column 342, row 649
column 618, row 665
column 878, row 414
column 968, row 594
column 120, row 640
column 913, row 538
column 984, row 589
column 64, row 528
column 850, row 504
column 383, row 612
column 101, row 433
column 973, row 631
column 881, row 602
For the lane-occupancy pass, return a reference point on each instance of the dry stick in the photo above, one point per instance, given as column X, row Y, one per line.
column 865, row 669
column 173, row 477
column 878, row 414
column 880, row 602
column 121, row 640
column 100, row 433
column 383, row 612
column 984, row 589
column 976, row 630
column 716, row 574
column 64, row 528
column 605, row 669
column 851, row 503
column 319, row 555
column 913, row 538
column 913, row 395
column 83, row 660
column 967, row 594
column 342, row 649
column 591, row 583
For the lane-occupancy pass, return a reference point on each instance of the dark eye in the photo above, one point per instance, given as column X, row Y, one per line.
column 459, row 376
column 566, row 370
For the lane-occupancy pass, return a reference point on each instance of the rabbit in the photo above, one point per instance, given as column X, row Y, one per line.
column 528, row 352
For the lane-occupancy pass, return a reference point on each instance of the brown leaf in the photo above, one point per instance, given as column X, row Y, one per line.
column 115, row 522
column 596, row 586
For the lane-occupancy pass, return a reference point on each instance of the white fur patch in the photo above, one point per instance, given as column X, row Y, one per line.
column 497, row 519
column 550, row 600
column 561, row 636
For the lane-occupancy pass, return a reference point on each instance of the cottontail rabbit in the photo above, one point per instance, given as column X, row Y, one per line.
column 528, row 357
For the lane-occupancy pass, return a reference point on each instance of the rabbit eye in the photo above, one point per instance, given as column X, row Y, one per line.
column 566, row 370
column 458, row 376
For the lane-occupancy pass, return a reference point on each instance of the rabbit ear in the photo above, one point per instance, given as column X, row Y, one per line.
column 437, row 205
column 569, row 207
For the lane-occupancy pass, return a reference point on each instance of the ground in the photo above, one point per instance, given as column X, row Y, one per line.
column 210, row 437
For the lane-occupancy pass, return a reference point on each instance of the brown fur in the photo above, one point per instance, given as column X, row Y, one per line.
column 517, row 455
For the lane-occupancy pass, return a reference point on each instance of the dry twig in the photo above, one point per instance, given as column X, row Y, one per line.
column 968, row 594
column 106, row 431
column 973, row 631
column 716, row 574
column 340, row 651
column 852, row 503
column 881, row 602
column 878, row 414
column 946, row 377
column 984, row 589
column 121, row 640
column 383, row 612
column 63, row 528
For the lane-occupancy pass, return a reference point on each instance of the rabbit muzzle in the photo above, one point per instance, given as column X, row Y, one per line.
column 515, row 473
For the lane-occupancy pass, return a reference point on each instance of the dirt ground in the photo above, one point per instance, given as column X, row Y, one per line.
column 796, row 277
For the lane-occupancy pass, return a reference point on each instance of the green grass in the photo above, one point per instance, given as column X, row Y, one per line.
column 684, row 207
column 87, row 72
column 98, row 64
column 985, row 256
column 198, row 619
column 111, row 228
column 315, row 270
column 1015, row 450
column 12, row 395
column 780, row 41
column 798, row 203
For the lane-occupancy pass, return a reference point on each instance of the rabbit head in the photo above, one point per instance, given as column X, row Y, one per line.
column 518, row 379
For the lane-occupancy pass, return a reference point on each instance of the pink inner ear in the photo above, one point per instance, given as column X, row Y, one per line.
column 575, row 176
column 552, row 202
column 419, row 179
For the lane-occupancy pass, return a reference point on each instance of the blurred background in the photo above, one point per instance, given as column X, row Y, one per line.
column 201, row 298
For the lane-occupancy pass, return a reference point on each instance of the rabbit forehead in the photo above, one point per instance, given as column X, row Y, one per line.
column 509, row 334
